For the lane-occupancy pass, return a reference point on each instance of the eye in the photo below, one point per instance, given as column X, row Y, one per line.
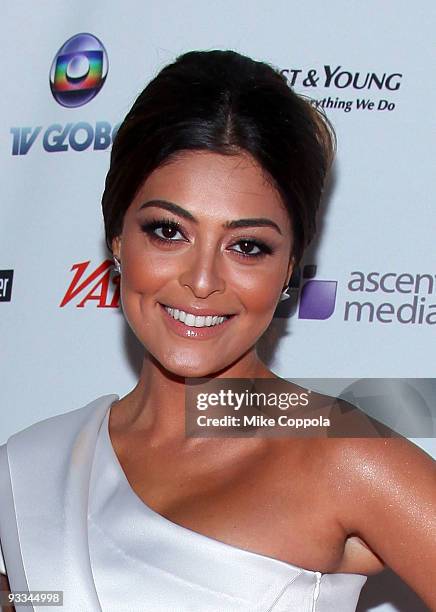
column 167, row 227
column 262, row 249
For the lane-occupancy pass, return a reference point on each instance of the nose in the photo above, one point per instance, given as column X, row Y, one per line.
column 202, row 271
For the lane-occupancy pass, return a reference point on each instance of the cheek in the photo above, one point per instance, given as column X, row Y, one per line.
column 146, row 270
column 258, row 289
column 144, row 273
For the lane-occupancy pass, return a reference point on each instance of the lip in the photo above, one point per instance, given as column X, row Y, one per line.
column 194, row 333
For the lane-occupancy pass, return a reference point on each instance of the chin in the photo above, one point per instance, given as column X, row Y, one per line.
column 190, row 370
column 189, row 365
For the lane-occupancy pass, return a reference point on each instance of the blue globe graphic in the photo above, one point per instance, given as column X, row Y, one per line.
column 79, row 70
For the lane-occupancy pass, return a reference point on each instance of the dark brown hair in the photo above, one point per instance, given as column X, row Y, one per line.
column 224, row 102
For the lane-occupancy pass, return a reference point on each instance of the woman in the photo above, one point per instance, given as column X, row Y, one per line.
column 215, row 179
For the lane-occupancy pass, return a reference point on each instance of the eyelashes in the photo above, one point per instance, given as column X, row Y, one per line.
column 171, row 228
column 150, row 228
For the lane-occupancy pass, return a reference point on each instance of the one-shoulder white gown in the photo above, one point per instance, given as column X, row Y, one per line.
column 142, row 562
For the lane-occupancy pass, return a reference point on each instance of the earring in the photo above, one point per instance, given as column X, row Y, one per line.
column 285, row 295
column 117, row 265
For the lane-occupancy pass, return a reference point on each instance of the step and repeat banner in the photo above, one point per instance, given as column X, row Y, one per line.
column 363, row 302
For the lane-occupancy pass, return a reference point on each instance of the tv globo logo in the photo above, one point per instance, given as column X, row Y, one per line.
column 79, row 70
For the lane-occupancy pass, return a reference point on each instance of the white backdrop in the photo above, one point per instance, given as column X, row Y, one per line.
column 369, row 64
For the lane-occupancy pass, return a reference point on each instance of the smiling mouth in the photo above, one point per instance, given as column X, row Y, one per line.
column 191, row 320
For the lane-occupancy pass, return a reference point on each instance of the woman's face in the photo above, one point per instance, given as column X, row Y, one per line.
column 209, row 236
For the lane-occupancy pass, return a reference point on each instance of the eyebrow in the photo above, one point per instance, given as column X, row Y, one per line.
column 182, row 212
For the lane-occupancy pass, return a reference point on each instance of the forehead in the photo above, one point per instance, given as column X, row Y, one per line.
column 229, row 185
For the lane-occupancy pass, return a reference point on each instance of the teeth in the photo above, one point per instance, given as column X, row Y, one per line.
column 192, row 321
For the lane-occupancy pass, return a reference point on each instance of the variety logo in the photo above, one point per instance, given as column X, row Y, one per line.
column 97, row 286
column 79, row 70
column 6, row 278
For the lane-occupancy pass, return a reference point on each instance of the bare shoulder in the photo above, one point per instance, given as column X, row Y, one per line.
column 377, row 462
column 385, row 490
column 379, row 488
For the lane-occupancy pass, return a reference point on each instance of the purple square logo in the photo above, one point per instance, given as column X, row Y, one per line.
column 317, row 300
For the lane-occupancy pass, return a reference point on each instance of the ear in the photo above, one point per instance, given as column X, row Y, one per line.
column 290, row 269
column 116, row 246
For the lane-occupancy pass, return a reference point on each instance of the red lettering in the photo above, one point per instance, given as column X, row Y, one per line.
column 99, row 291
column 116, row 296
column 101, row 295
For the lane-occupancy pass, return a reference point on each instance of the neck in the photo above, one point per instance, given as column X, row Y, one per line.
column 156, row 406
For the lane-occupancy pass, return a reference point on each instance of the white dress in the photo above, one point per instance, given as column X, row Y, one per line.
column 107, row 550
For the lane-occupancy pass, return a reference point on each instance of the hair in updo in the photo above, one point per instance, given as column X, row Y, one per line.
column 224, row 102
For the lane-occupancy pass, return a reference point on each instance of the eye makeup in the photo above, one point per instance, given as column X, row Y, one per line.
column 150, row 227
column 166, row 225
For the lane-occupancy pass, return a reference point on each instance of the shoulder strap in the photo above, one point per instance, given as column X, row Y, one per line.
column 8, row 531
column 50, row 466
